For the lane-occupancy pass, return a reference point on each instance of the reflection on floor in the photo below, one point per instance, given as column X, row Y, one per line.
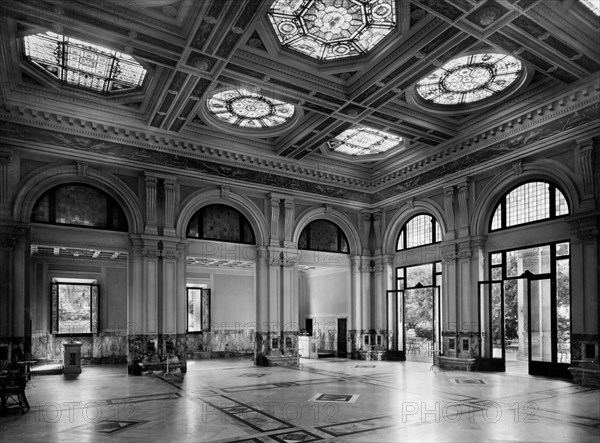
column 230, row 400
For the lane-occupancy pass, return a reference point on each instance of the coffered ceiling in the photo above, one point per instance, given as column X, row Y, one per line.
column 193, row 50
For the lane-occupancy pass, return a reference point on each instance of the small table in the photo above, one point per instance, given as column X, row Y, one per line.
column 27, row 364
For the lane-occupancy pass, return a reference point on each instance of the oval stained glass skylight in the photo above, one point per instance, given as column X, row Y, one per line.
column 332, row 29
column 470, row 78
column 83, row 64
column 363, row 141
column 246, row 109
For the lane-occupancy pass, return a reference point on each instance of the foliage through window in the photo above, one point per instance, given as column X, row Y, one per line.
column 198, row 309
column 74, row 306
column 220, row 222
column 323, row 235
column 528, row 203
column 419, row 284
column 508, row 268
column 79, row 205
column 420, row 230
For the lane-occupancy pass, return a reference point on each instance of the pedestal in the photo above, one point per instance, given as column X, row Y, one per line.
column 72, row 358
column 308, row 347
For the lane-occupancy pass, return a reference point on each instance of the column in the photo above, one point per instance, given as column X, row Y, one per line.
column 449, row 209
column 289, row 222
column 6, row 156
column 170, row 204
column 355, row 320
column 171, row 332
column 151, row 208
column 450, row 300
column 261, row 279
column 275, row 201
column 585, row 309
column 463, row 208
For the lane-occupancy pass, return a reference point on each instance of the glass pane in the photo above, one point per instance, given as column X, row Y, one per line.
column 54, row 316
column 422, row 274
column 94, row 309
column 563, row 311
column 205, row 320
column 535, row 260
column 562, row 249
column 497, row 323
column 497, row 259
column 74, row 313
column 527, row 203
column 540, row 327
column 515, row 319
column 400, row 244
column 41, row 210
column 418, row 316
column 484, row 320
column 562, row 208
column 392, row 321
column 194, row 309
column 496, row 274
column 363, row 141
column 497, row 220
column 419, row 231
column 81, row 205
column 400, row 320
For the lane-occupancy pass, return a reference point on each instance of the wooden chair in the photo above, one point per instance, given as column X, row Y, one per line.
column 12, row 394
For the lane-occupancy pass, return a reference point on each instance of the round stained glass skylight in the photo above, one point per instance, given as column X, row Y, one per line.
column 332, row 29
column 79, row 63
column 363, row 141
column 246, row 109
column 470, row 78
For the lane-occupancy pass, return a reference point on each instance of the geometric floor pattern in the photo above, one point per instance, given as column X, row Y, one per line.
column 230, row 400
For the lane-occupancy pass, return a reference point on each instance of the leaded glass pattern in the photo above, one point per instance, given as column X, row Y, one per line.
column 470, row 78
column 363, row 141
column 79, row 205
column 420, row 230
column 528, row 203
column 592, row 5
column 323, row 235
column 332, row 29
column 83, row 64
column 222, row 223
column 246, row 109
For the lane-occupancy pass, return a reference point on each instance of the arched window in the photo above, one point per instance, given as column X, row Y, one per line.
column 528, row 203
column 420, row 230
column 220, row 222
column 323, row 235
column 79, row 205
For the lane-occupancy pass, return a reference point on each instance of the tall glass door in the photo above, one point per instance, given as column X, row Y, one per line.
column 395, row 325
column 491, row 326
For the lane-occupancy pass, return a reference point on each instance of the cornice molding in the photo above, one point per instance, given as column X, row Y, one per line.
column 280, row 165
column 525, row 121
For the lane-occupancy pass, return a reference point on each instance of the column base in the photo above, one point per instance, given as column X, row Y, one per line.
column 276, row 349
column 455, row 363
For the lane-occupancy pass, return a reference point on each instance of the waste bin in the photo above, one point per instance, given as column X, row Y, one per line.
column 72, row 358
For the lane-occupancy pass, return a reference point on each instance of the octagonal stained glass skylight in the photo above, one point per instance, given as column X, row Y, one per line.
column 332, row 29
column 470, row 78
column 83, row 64
column 361, row 140
column 246, row 109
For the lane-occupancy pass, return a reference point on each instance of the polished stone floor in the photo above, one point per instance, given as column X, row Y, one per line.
column 230, row 400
